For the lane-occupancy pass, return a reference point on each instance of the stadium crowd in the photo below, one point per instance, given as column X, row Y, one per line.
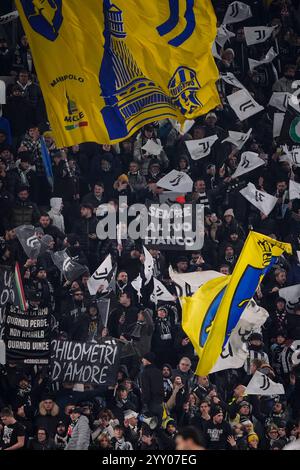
column 158, row 380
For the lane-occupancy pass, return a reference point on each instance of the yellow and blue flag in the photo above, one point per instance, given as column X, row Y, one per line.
column 209, row 317
column 106, row 67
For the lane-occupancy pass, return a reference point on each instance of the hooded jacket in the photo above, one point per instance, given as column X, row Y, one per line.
column 55, row 213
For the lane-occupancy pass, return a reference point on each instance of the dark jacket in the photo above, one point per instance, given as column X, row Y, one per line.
column 24, row 213
column 152, row 385
column 83, row 228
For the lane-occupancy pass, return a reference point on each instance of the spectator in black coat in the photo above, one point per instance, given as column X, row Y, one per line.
column 152, row 387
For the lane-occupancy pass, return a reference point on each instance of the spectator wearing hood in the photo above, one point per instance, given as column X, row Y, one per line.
column 55, row 214
column 229, row 224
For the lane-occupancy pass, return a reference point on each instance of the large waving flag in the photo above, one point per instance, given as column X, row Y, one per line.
column 117, row 65
column 209, row 317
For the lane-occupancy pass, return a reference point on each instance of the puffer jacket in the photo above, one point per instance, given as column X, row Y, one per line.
column 24, row 213
column 81, row 434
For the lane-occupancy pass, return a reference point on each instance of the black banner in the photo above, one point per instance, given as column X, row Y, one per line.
column 27, row 335
column 87, row 363
column 7, row 294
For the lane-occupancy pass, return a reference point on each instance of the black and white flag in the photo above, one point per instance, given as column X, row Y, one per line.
column 291, row 295
column 235, row 352
column 280, row 100
column 100, row 276
column 243, row 104
column 249, row 162
column 148, row 265
column 29, row 238
column 160, row 292
column 269, row 57
column 69, row 268
column 261, row 200
column 231, row 79
column 294, row 190
column 257, row 34
column 137, row 285
column 261, row 384
column 237, row 12
column 277, row 124
column 200, row 148
column 223, row 35
column 177, row 181
column 238, row 138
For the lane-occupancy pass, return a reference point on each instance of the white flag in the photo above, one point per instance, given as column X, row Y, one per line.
column 249, row 162
column 152, row 148
column 280, row 100
column 270, row 55
column 148, row 265
column 236, row 12
column 292, row 156
column 277, row 123
column 238, row 138
column 231, row 80
column 160, row 292
column 214, row 50
column 99, row 278
column 243, row 104
column 188, row 283
column 261, row 384
column 177, row 181
column 137, row 285
column 223, row 35
column 257, row 34
column 262, row 201
column 291, row 295
column 202, row 147
column 294, row 190
column 9, row 17
column 185, row 127
column 235, row 352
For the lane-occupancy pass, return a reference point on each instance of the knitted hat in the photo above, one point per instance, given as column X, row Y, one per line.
column 229, row 212
column 150, row 356
column 252, row 436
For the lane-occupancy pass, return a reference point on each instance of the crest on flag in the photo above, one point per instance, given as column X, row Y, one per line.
column 261, row 200
column 44, row 16
column 200, row 148
column 249, row 162
column 236, row 12
column 261, row 384
column 177, row 181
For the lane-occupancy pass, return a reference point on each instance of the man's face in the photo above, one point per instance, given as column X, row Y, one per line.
column 282, row 432
column 61, row 430
column 200, row 186
column 218, row 418
column 244, row 410
column 211, row 121
column 23, row 195
column 74, row 416
column 182, row 266
column 78, row 296
column 6, row 420
column 281, row 278
column 24, row 165
column 124, row 299
column 278, row 407
column 23, row 383
column 133, row 167
column 123, row 277
column 184, row 365
column 161, row 313
column 7, row 155
column 118, row 433
column 133, row 421
column 203, row 381
column 127, row 146
column 85, row 212
column 280, row 306
column 149, row 134
column 23, row 78
column 290, row 73
column 199, row 133
column 34, row 133
column 281, row 187
column 204, row 408
column 41, row 435
column 45, row 221
column 256, row 342
column 229, row 252
column 234, row 237
column 48, row 404
column 224, row 270
column 166, row 372
column 98, row 191
column 2, row 137
column 123, row 394
column 105, row 165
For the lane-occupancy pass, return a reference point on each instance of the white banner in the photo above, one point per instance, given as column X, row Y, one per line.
column 188, row 283
column 243, row 104
column 257, row 34
column 200, row 148
column 249, row 162
column 261, row 200
column 99, row 278
column 152, row 148
column 177, row 181
column 294, row 190
column 9, row 17
column 270, row 55
column 231, row 80
column 291, row 295
column 238, row 138
column 137, row 285
column 236, row 12
column 261, row 384
column 235, row 352
column 223, row 35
